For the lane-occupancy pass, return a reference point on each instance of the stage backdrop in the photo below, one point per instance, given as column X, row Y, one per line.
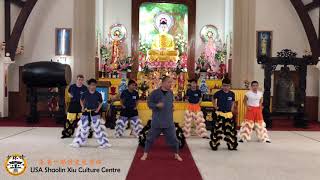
column 148, row 12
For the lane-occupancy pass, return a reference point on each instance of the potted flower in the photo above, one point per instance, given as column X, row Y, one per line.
column 143, row 86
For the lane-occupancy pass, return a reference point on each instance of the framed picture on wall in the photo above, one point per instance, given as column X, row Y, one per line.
column 104, row 91
column 264, row 43
column 63, row 41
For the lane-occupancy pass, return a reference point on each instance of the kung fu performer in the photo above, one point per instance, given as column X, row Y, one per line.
column 254, row 119
column 91, row 102
column 129, row 102
column 225, row 123
column 74, row 111
column 161, row 103
column 193, row 112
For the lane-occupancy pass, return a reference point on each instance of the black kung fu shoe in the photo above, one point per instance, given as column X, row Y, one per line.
column 233, row 146
column 214, row 146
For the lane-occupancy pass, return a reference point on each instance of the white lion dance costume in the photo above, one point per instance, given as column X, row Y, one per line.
column 82, row 132
column 254, row 119
column 122, row 123
column 194, row 114
column 129, row 101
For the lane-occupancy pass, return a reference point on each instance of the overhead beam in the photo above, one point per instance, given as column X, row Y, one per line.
column 309, row 28
column 12, row 43
column 19, row 3
column 7, row 20
column 312, row 5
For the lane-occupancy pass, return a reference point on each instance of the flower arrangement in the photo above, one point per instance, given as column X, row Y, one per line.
column 246, row 84
column 105, row 53
column 184, row 60
column 202, row 64
column 143, row 47
column 125, row 64
column 179, row 68
column 143, row 86
column 221, row 53
column 145, row 67
column 181, row 43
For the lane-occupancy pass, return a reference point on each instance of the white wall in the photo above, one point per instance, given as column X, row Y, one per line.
column 39, row 35
column 209, row 12
column 118, row 12
column 280, row 17
column 1, row 21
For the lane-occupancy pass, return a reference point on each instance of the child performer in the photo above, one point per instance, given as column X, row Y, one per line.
column 161, row 103
column 253, row 119
column 91, row 102
column 129, row 101
column 74, row 111
column 223, row 102
column 193, row 112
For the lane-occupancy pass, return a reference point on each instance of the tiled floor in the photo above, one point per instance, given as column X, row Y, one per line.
column 45, row 144
column 291, row 155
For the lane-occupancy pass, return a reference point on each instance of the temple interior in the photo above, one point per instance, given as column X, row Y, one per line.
column 48, row 45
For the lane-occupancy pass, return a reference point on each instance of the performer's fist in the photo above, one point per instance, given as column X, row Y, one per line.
column 160, row 105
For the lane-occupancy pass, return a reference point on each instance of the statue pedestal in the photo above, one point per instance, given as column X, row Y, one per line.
column 4, row 96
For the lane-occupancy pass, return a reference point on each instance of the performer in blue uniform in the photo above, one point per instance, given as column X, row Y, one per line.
column 91, row 102
column 74, row 111
column 193, row 112
column 225, row 123
column 161, row 104
column 129, row 101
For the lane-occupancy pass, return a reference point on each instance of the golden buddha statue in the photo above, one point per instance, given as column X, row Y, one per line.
column 163, row 46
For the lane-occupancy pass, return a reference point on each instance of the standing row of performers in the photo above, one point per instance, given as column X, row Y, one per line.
column 83, row 118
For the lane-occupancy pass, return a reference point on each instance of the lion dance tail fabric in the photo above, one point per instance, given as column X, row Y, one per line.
column 70, row 125
column 83, row 131
column 224, row 125
column 246, row 130
column 194, row 114
column 248, row 127
column 136, row 125
column 121, row 125
column 254, row 122
column 188, row 116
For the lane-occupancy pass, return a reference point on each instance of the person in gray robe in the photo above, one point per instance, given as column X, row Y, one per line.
column 161, row 104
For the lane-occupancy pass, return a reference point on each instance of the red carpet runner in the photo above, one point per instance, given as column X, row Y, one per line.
column 161, row 165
